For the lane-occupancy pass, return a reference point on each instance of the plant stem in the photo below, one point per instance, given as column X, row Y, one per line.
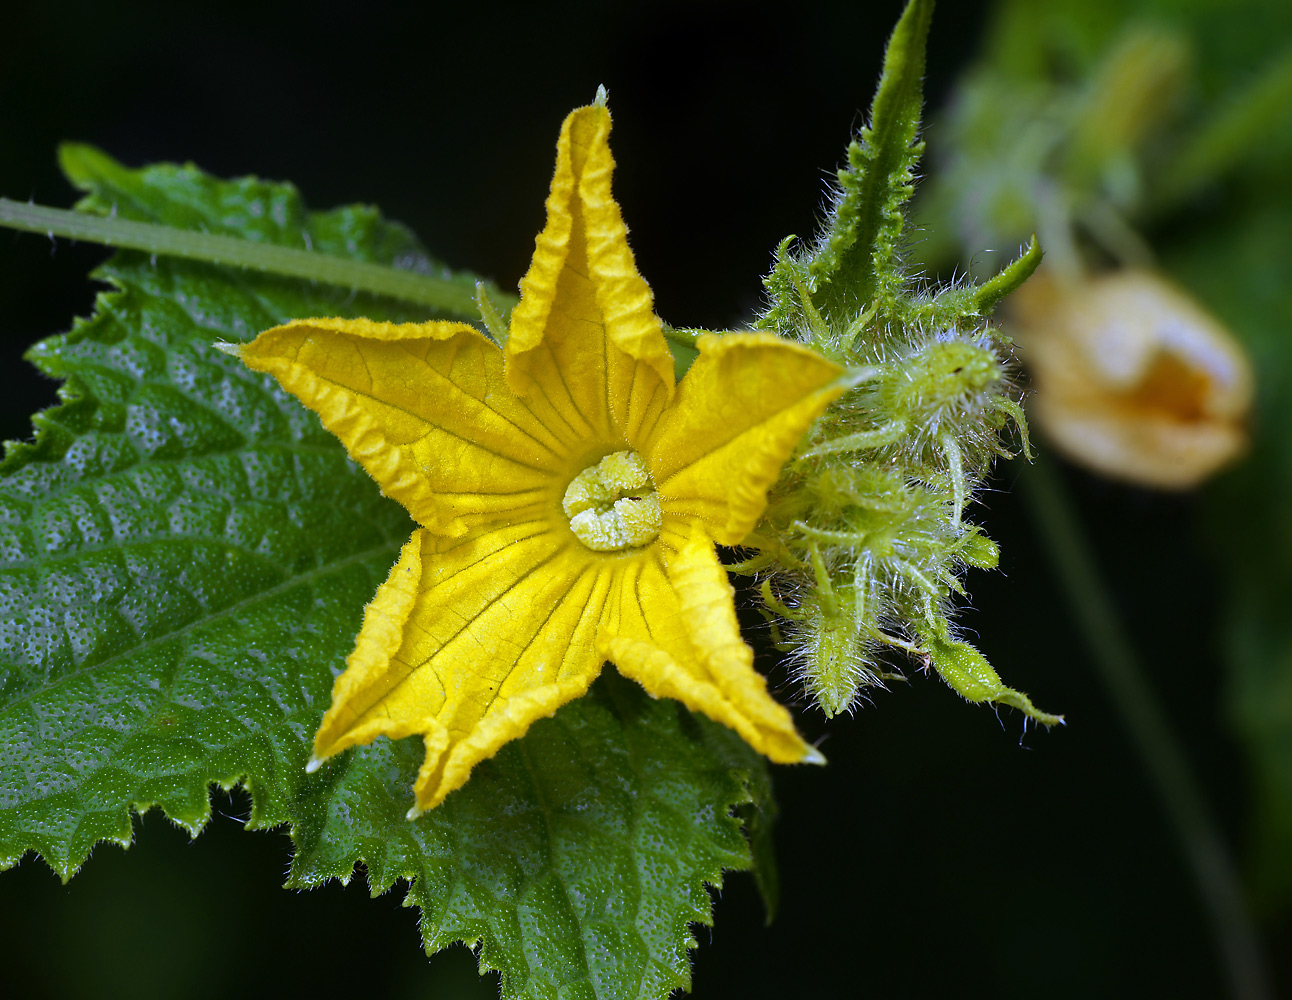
column 441, row 294
column 1214, row 872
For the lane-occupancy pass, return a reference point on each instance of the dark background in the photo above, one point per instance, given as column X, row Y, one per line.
column 937, row 854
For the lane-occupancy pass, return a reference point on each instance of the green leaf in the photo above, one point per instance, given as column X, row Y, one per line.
column 858, row 261
column 184, row 558
column 576, row 857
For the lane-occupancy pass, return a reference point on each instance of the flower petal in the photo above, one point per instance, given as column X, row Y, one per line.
column 424, row 408
column 739, row 412
column 675, row 632
column 469, row 642
column 585, row 347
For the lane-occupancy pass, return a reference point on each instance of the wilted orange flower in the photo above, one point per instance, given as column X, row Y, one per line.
column 1133, row 378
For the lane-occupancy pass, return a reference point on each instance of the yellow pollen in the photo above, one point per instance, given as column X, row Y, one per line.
column 613, row 505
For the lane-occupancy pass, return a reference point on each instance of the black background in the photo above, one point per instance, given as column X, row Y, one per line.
column 937, row 854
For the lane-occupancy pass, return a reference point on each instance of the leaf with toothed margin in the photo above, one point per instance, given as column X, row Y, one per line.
column 576, row 857
column 185, row 555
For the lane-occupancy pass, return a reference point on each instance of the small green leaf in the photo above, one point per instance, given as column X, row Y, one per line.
column 858, row 260
column 185, row 555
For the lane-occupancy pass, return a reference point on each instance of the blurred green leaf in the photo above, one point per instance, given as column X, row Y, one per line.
column 1240, row 263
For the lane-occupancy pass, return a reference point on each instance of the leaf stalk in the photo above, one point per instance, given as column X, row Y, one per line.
column 439, row 294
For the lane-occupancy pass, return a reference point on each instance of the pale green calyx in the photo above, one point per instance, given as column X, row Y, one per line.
column 613, row 506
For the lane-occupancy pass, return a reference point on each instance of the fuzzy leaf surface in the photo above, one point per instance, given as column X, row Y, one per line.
column 185, row 555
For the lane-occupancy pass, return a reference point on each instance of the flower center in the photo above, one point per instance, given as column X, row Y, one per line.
column 613, row 505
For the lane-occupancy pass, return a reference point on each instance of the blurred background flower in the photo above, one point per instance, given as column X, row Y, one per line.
column 1134, row 379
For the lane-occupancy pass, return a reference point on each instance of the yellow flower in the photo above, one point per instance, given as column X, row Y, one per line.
column 568, row 495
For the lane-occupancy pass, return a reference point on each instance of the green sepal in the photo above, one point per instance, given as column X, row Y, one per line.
column 990, row 292
column 969, row 674
column 681, row 344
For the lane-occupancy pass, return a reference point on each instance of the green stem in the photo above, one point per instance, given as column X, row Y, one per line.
column 439, row 294
column 1213, row 869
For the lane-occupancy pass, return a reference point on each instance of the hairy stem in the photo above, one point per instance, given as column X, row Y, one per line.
column 435, row 293
column 1214, row 872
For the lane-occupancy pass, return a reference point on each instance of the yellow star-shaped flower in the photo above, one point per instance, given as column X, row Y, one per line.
column 568, row 494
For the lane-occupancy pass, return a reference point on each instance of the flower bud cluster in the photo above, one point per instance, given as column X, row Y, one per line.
column 864, row 543
column 865, row 538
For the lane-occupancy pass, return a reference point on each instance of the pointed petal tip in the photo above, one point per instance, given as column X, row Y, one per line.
column 313, row 764
column 602, row 99
column 413, row 813
column 233, row 349
column 813, row 756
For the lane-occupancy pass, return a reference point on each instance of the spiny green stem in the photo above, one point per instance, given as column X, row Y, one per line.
column 1214, row 872
column 439, row 294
